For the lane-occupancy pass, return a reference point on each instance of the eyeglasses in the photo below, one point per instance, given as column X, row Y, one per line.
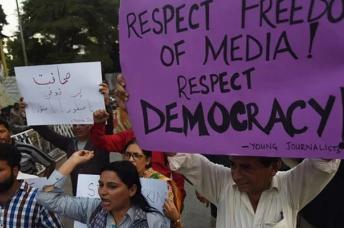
column 135, row 156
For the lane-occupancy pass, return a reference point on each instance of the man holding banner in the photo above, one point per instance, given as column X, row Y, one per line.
column 253, row 193
column 238, row 78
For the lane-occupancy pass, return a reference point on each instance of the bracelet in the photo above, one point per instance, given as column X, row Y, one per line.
column 177, row 221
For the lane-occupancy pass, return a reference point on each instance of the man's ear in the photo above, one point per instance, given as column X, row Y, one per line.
column 15, row 171
column 132, row 190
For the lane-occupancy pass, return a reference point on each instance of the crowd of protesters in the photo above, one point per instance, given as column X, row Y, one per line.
column 248, row 192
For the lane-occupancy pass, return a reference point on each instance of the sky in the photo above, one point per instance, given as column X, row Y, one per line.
column 10, row 9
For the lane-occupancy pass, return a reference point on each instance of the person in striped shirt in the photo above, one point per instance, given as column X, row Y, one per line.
column 30, row 154
column 18, row 205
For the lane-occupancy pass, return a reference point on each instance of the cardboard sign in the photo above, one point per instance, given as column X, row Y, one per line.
column 61, row 94
column 87, row 187
column 235, row 77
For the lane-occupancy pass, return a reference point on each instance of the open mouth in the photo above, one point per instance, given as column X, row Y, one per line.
column 106, row 202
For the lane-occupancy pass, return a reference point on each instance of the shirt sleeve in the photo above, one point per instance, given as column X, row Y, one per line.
column 53, row 137
column 110, row 143
column 308, row 179
column 56, row 179
column 76, row 208
column 208, row 178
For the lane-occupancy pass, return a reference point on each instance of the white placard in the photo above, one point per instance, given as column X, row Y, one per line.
column 87, row 187
column 62, row 93
column 154, row 190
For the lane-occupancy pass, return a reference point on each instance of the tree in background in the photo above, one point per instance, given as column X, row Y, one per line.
column 67, row 31
column 3, row 20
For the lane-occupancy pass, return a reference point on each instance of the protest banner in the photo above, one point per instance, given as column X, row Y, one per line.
column 62, row 93
column 236, row 77
column 154, row 190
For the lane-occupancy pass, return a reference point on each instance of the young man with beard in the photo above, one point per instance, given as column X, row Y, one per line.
column 18, row 206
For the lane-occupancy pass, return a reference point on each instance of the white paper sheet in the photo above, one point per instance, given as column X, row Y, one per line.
column 62, row 93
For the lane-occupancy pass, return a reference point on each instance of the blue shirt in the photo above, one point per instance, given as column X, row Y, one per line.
column 24, row 211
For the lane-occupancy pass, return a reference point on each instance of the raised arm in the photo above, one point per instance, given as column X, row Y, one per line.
column 208, row 178
column 110, row 143
column 53, row 199
column 307, row 180
column 56, row 139
column 76, row 208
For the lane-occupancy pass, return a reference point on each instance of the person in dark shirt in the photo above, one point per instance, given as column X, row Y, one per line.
column 71, row 144
column 326, row 211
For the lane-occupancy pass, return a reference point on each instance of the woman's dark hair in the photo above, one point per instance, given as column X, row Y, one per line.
column 128, row 174
column 10, row 154
column 147, row 153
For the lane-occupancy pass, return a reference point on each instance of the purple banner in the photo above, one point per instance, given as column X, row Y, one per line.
column 245, row 77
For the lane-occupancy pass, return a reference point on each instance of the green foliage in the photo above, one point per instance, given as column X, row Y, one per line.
column 3, row 20
column 69, row 31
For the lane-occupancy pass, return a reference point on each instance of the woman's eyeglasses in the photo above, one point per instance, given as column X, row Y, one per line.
column 135, row 156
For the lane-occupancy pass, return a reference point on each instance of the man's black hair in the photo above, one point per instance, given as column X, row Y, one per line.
column 10, row 154
column 268, row 161
column 5, row 124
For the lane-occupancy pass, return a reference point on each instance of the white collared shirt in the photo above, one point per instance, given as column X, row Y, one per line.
column 278, row 206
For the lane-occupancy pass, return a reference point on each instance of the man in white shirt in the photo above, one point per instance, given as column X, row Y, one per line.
column 252, row 193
